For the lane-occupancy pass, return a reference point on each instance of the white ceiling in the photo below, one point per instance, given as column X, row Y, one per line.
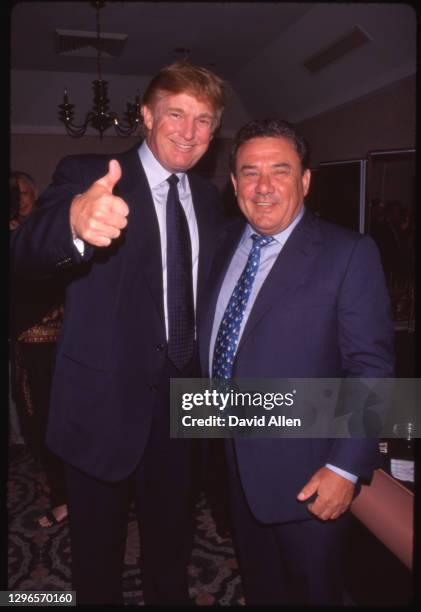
column 259, row 47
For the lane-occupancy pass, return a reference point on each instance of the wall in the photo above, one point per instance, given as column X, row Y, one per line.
column 39, row 141
column 384, row 119
column 39, row 154
column 45, row 91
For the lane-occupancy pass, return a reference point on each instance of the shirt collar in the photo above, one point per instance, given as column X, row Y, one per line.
column 155, row 173
column 282, row 236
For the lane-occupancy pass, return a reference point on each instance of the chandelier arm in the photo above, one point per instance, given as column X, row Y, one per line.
column 74, row 133
column 124, row 131
column 83, row 125
column 129, row 124
column 78, row 131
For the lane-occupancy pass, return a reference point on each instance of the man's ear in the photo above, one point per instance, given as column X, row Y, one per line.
column 147, row 116
column 306, row 178
column 234, row 182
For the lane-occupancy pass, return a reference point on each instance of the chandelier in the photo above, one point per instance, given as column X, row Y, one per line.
column 100, row 117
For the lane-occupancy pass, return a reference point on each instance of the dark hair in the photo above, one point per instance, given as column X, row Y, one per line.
column 272, row 128
column 185, row 77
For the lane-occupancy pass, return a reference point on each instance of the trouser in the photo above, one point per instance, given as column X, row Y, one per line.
column 296, row 563
column 38, row 361
column 164, row 491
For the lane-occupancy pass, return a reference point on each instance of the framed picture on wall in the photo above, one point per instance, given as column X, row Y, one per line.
column 337, row 192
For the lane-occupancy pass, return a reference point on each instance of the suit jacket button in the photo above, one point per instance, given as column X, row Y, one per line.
column 161, row 347
column 64, row 262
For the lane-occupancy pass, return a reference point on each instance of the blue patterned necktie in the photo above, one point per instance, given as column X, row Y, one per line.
column 179, row 281
column 229, row 329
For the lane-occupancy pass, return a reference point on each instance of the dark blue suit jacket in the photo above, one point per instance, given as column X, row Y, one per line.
column 322, row 312
column 112, row 346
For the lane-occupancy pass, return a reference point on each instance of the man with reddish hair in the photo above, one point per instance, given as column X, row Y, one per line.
column 139, row 230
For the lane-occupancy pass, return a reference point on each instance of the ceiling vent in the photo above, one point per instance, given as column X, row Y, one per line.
column 342, row 46
column 78, row 43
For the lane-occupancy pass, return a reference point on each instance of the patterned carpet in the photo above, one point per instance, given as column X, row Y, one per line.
column 39, row 559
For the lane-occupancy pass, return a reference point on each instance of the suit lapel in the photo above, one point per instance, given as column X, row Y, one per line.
column 205, row 217
column 287, row 273
column 142, row 238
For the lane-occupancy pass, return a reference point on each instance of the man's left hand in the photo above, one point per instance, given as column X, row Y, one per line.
column 334, row 494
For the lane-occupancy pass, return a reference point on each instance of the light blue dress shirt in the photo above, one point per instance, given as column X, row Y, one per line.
column 268, row 256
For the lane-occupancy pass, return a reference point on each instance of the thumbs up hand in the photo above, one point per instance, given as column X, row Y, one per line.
column 97, row 216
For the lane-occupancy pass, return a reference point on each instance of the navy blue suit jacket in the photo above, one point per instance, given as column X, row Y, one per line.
column 322, row 312
column 112, row 345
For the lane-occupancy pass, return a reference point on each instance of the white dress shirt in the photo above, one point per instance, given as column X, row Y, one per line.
column 157, row 179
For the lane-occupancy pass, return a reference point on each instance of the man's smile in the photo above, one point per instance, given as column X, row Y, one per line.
column 182, row 146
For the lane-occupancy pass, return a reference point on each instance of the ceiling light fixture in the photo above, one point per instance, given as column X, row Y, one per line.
column 100, row 117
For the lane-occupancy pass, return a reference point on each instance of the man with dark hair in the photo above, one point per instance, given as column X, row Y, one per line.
column 139, row 230
column 292, row 296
